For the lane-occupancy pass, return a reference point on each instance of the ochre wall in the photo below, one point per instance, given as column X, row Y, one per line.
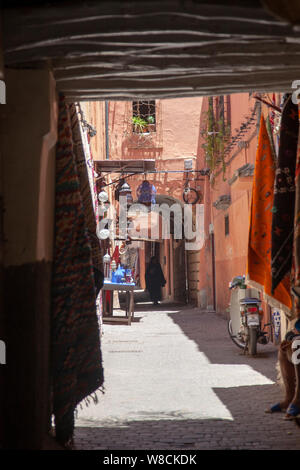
column 28, row 138
column 175, row 139
column 94, row 113
column 230, row 250
column 180, row 127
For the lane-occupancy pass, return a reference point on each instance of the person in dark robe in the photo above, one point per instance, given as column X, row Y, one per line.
column 155, row 280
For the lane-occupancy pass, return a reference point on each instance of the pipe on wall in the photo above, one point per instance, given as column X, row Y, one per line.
column 106, row 131
column 213, row 259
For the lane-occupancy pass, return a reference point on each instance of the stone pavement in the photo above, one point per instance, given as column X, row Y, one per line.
column 174, row 380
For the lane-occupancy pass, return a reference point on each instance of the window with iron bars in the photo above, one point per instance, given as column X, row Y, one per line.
column 143, row 116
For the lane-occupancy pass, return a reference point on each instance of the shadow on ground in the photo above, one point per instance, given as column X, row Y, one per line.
column 209, row 331
column 251, row 428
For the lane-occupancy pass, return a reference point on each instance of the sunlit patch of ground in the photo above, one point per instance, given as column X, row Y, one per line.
column 154, row 372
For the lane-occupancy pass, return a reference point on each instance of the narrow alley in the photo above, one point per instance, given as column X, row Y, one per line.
column 175, row 380
column 156, row 150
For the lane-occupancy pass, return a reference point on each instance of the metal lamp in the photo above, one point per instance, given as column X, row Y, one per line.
column 125, row 190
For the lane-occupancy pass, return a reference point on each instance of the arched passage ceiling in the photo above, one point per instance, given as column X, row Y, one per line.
column 154, row 49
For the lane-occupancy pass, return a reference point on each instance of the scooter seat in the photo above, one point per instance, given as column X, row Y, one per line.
column 249, row 300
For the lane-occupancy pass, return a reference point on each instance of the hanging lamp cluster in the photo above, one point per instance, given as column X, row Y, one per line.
column 146, row 192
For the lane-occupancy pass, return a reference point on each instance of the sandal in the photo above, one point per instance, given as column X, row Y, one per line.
column 292, row 411
column 274, row 409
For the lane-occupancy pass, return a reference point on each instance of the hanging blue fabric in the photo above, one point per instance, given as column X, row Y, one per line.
column 146, row 193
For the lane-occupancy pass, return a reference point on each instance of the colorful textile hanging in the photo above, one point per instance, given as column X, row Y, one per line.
column 284, row 195
column 93, row 185
column 146, row 193
column 86, row 184
column 116, row 255
column 136, row 271
column 296, row 264
column 85, row 169
column 271, row 139
column 75, row 343
column 259, row 249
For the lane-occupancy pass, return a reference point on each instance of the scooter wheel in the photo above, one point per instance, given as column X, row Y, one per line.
column 234, row 338
column 252, row 345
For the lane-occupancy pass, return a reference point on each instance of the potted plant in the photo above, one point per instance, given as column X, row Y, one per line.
column 141, row 126
column 151, row 123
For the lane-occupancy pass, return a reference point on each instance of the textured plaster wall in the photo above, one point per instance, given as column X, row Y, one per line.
column 28, row 138
column 180, row 127
column 27, row 145
column 94, row 113
column 176, row 138
column 230, row 250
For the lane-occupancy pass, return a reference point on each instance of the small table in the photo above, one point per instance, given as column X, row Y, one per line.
column 128, row 288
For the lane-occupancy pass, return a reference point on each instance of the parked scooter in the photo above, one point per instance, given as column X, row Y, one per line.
column 244, row 325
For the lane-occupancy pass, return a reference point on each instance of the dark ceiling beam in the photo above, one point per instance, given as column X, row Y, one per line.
column 136, row 22
column 262, row 65
column 104, row 17
column 198, row 80
column 154, row 48
column 129, row 95
column 224, row 51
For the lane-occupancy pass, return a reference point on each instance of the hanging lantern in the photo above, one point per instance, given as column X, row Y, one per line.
column 106, row 267
column 113, row 265
column 125, row 191
column 103, row 196
column 103, row 208
column 146, row 193
column 103, row 234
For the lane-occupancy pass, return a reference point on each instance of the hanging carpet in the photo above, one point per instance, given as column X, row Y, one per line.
column 284, row 195
column 260, row 240
column 85, row 188
column 75, row 343
column 296, row 264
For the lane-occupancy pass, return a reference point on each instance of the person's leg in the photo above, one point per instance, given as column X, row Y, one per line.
column 294, row 406
column 287, row 373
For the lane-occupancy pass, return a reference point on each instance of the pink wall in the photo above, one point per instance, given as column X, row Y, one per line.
column 94, row 113
column 231, row 249
column 176, row 138
column 180, row 119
